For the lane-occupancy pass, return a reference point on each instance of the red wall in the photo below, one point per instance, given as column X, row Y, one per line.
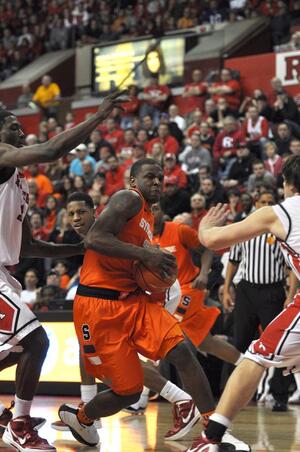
column 256, row 72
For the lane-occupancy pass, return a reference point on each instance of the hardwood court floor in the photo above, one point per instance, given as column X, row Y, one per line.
column 264, row 430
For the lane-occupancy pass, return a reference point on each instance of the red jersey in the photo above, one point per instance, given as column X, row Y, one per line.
column 227, row 141
column 234, row 98
column 191, row 103
column 114, row 273
column 179, row 173
column 179, row 239
column 170, row 145
column 155, row 91
column 114, row 180
column 115, row 138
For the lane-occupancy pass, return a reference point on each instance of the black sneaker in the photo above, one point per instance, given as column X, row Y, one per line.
column 280, row 407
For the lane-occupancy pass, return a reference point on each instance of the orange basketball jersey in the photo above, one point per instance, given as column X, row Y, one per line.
column 108, row 272
column 178, row 239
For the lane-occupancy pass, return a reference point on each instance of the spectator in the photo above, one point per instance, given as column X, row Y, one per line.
column 51, row 210
column 171, row 168
column 194, row 93
column 285, row 108
column 79, row 184
column 170, row 144
column 219, row 114
column 129, row 141
column 294, row 44
column 98, row 141
column 155, row 97
column 185, row 21
column 256, row 130
column 260, row 177
column 69, row 120
column 213, row 14
column 157, row 152
column 149, row 126
column 197, row 209
column 61, row 267
column 277, row 88
column 32, row 205
column 76, row 168
column 24, row 100
column 175, row 117
column 280, row 24
column 48, row 295
column 38, row 230
column 88, row 173
column 175, row 200
column 263, row 107
column 131, row 108
column 206, row 136
column 195, row 155
column 138, row 153
column 197, row 118
column 233, row 205
column 114, row 135
column 59, row 36
column 114, row 177
column 228, row 88
column 47, row 96
column 283, row 138
column 294, row 146
column 31, row 139
column 44, row 184
column 273, row 162
column 246, row 207
column 241, row 168
column 226, row 144
column 212, row 192
column 28, row 295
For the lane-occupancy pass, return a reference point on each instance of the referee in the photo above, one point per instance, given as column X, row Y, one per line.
column 260, row 295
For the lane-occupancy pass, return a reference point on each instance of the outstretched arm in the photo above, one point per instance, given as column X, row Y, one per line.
column 59, row 145
column 38, row 248
column 215, row 236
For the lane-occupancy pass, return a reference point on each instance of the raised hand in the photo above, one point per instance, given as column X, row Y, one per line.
column 113, row 100
column 216, row 216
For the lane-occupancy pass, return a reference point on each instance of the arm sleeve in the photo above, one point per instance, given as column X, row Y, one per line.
column 189, row 237
column 235, row 254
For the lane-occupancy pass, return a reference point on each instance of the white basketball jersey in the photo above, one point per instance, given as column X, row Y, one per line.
column 13, row 207
column 289, row 214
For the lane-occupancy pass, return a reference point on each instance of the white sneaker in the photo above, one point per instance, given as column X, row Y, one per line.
column 85, row 434
column 62, row 427
column 295, row 397
column 239, row 445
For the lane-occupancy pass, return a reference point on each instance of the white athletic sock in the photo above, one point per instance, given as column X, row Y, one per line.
column 241, row 357
column 220, row 419
column 22, row 407
column 174, row 394
column 88, row 392
column 143, row 400
column 2, row 408
column 297, row 380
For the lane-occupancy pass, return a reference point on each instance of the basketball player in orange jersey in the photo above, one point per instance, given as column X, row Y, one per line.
column 81, row 216
column 114, row 320
column 23, row 341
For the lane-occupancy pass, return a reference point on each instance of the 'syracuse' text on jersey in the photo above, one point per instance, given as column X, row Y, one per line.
column 14, row 198
column 289, row 214
column 114, row 273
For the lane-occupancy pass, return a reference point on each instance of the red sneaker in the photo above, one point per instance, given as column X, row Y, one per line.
column 185, row 415
column 21, row 434
column 202, row 444
column 6, row 417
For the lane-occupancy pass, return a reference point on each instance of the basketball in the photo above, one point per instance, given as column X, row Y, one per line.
column 151, row 281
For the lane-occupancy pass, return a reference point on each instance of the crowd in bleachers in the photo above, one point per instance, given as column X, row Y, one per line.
column 224, row 148
column 30, row 28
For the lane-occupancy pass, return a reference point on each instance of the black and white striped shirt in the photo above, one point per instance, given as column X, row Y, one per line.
column 261, row 260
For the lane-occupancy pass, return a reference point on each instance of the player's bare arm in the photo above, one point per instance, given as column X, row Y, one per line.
column 102, row 237
column 206, row 261
column 215, row 236
column 59, row 145
column 38, row 248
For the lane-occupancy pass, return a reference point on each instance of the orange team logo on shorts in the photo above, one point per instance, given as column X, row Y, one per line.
column 271, row 239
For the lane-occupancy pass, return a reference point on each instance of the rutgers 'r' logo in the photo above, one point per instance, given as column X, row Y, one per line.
column 9, row 314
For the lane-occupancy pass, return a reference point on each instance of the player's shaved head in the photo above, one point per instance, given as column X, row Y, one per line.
column 137, row 166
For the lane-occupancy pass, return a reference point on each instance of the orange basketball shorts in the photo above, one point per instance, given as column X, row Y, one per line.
column 111, row 333
column 195, row 319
